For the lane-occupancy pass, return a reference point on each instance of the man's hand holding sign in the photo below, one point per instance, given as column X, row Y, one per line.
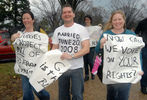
column 49, row 69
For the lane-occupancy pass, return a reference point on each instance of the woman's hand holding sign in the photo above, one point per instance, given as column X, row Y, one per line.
column 15, row 36
column 103, row 41
column 141, row 73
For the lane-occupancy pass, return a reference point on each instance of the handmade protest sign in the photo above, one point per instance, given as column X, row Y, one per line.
column 94, row 34
column 29, row 47
column 49, row 69
column 122, row 59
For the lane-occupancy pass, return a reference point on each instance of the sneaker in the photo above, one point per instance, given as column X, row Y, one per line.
column 144, row 90
column 86, row 78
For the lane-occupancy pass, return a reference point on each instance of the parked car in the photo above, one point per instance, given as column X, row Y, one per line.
column 6, row 51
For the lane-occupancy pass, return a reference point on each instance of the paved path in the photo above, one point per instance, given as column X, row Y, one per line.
column 95, row 90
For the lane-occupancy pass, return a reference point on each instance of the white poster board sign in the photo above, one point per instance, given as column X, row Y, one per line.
column 29, row 47
column 122, row 59
column 95, row 33
column 49, row 69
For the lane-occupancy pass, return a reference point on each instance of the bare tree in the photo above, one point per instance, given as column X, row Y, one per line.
column 73, row 3
column 86, row 8
column 98, row 14
column 132, row 10
column 49, row 13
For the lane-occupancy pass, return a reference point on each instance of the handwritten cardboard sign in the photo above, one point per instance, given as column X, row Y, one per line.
column 49, row 69
column 122, row 59
column 29, row 47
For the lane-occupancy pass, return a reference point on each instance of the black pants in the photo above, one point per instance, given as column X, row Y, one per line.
column 88, row 60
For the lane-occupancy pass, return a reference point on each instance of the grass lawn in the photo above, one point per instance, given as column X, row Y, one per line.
column 10, row 83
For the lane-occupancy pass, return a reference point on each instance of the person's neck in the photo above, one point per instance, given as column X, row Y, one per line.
column 118, row 31
column 88, row 25
column 29, row 29
column 68, row 24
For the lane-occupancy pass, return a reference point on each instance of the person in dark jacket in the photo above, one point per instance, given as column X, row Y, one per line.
column 88, row 58
column 141, row 30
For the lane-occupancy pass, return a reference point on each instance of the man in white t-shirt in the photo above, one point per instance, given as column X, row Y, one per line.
column 94, row 34
column 73, row 40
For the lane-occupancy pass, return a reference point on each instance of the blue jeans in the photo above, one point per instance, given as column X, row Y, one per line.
column 28, row 91
column 88, row 60
column 76, row 78
column 118, row 91
column 144, row 59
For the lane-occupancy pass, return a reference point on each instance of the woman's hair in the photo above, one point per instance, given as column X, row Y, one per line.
column 108, row 25
column 88, row 16
column 29, row 12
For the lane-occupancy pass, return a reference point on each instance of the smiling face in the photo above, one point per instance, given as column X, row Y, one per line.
column 67, row 15
column 118, row 21
column 87, row 21
column 27, row 20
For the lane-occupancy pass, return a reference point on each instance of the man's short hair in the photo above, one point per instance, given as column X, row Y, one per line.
column 67, row 5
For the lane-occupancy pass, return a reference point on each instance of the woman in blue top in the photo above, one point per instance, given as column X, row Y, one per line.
column 115, row 26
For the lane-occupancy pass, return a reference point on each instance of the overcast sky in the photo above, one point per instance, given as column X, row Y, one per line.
column 105, row 3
